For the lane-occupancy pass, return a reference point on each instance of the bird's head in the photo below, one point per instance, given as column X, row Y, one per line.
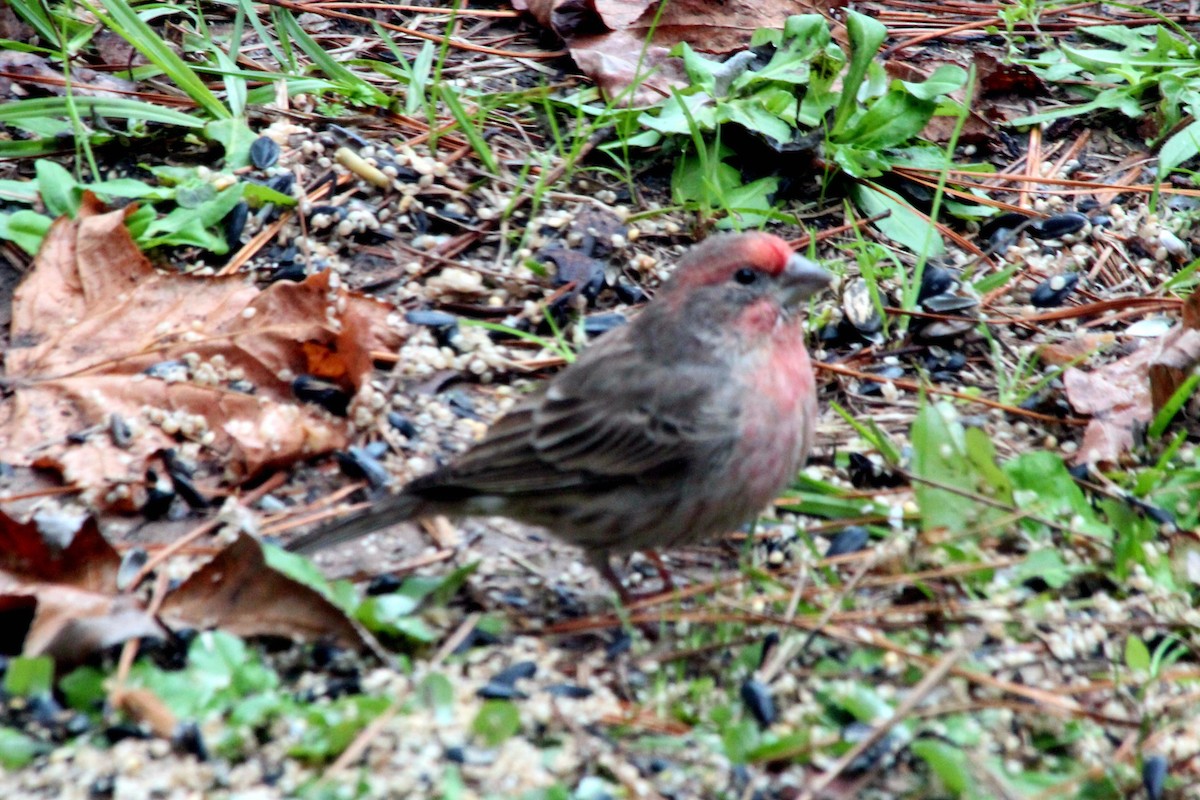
column 755, row 273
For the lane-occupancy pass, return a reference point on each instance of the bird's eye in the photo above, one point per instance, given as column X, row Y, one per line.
column 745, row 276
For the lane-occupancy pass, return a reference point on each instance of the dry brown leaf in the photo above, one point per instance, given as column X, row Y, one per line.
column 70, row 588
column 998, row 75
column 59, row 597
column 1060, row 354
column 1117, row 395
column 714, row 27
column 94, row 315
column 613, row 60
column 1178, row 357
column 240, row 593
column 83, row 559
column 32, row 70
column 613, row 41
column 1124, row 396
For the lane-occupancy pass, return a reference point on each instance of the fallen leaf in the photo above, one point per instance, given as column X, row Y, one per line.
column 1060, row 354
column 1178, row 356
column 614, row 60
column 998, row 75
column 1124, row 396
column 240, row 593
column 82, row 558
column 205, row 363
column 615, row 41
column 67, row 590
column 59, row 596
column 1117, row 395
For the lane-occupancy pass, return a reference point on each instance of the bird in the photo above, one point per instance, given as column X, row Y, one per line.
column 675, row 428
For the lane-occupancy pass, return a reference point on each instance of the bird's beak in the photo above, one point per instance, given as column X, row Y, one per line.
column 801, row 279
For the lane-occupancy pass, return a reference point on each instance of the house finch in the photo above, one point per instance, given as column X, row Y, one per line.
column 679, row 426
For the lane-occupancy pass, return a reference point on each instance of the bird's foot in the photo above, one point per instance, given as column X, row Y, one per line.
column 628, row 596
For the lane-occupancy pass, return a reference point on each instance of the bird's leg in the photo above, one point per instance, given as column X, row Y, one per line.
column 600, row 560
column 664, row 574
column 603, row 565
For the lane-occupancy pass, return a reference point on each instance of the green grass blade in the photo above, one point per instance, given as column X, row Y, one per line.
column 118, row 107
column 1175, row 402
column 333, row 69
column 124, row 21
column 467, row 125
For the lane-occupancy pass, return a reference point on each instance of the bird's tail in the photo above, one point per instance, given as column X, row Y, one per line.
column 389, row 511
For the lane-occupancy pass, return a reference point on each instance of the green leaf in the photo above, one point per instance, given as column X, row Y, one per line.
column 328, row 730
column 995, row 280
column 235, row 83
column 37, row 17
column 497, row 722
column 754, row 117
column 418, row 75
column 195, row 225
column 393, row 613
column 939, row 456
column 903, row 224
column 18, row 749
column 194, row 193
column 747, row 203
column 29, row 676
column 1117, row 98
column 701, row 71
column 235, row 137
column 26, row 229
column 677, row 113
column 258, row 195
column 981, row 452
column 870, row 431
column 84, row 689
column 448, row 586
column 1045, row 563
column 1043, row 486
column 889, row 121
column 20, row 191
column 1181, row 147
column 59, row 191
column 819, row 499
column 1137, row 655
column 690, row 183
column 354, row 86
column 949, row 763
column 1133, row 531
column 739, row 739
column 469, row 129
column 786, row 746
column 858, row 162
column 864, row 703
column 131, row 189
column 866, row 37
column 944, row 80
column 1136, row 39
column 379, row 611
column 262, row 95
column 302, row 570
column 437, row 692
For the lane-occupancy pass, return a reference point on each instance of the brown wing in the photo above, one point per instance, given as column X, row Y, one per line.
column 581, row 431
